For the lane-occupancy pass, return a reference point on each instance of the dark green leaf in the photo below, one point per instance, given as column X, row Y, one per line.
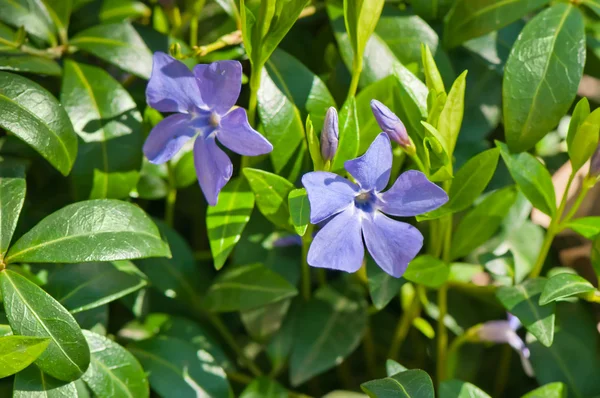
column 225, row 222
column 264, row 388
column 460, row 389
column 35, row 116
column 59, row 12
column 552, row 390
column 18, row 352
column 262, row 322
column 382, row 286
column 535, row 96
column 408, row 384
column 522, row 301
column 427, row 270
column 247, row 287
column 473, row 18
column 33, row 312
column 177, row 369
column 588, row 227
column 481, row 223
column 26, row 63
column 564, row 285
column 32, row 15
column 271, row 192
column 32, row 383
column 113, row 370
column 118, row 44
column 299, row 210
column 94, row 230
column 81, row 287
column 116, row 185
column 594, row 5
column 12, row 196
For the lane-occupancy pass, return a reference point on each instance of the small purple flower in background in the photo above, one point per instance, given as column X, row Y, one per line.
column 201, row 102
column 330, row 135
column 355, row 211
column 506, row 332
column 391, row 124
column 595, row 163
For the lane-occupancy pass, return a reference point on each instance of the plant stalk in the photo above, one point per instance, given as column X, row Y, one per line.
column 306, row 241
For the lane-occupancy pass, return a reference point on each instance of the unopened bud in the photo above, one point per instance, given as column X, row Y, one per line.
column 595, row 163
column 391, row 124
column 330, row 135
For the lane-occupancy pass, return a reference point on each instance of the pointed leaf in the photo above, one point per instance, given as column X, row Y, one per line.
column 564, row 285
column 382, row 286
column 32, row 383
column 271, row 192
column 18, row 352
column 588, row 227
column 299, row 210
column 264, row 388
column 460, row 389
column 408, row 384
column 552, row 390
column 32, row 15
column 12, row 196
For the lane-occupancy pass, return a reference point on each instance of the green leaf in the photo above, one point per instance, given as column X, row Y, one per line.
column 32, row 383
column 583, row 143
column 473, row 18
column 81, row 287
column 593, row 5
column 32, row 15
column 177, row 369
column 564, row 285
column 271, row 192
column 119, row 44
column 481, row 223
column 588, row 227
column 522, row 301
column 263, row 322
column 113, row 370
column 552, row 390
column 428, row 9
column 535, row 97
column 532, row 178
column 33, row 312
column 27, row 63
column 349, row 139
column 264, row 388
column 18, row 352
column 226, row 221
column 332, row 327
column 451, row 116
column 580, row 113
column 361, row 18
column 414, row 383
column 12, row 196
column 93, row 230
column 427, row 271
column 117, row 10
column 247, row 287
column 382, row 286
column 116, row 185
column 59, row 12
column 460, row 389
column 35, row 116
column 392, row 367
column 299, row 210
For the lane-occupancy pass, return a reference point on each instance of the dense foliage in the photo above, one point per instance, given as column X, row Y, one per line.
column 354, row 221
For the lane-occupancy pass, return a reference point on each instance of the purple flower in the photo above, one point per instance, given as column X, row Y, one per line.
column 201, row 102
column 595, row 163
column 330, row 135
column 506, row 332
column 391, row 124
column 356, row 211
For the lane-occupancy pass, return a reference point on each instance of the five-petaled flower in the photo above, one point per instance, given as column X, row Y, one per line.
column 201, row 101
column 506, row 332
column 354, row 211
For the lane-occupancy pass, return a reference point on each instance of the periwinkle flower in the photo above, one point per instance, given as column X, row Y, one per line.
column 356, row 211
column 330, row 135
column 595, row 163
column 201, row 101
column 391, row 124
column 506, row 332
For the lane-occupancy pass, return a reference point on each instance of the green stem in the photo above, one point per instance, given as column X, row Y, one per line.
column 453, row 350
column 356, row 71
column 306, row 241
column 442, row 333
column 171, row 197
column 194, row 31
column 403, row 326
column 582, row 194
column 254, row 86
column 369, row 350
column 503, row 371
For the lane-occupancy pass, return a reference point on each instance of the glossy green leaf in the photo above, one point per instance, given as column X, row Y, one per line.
column 428, row 9
column 271, row 192
column 552, row 390
column 332, row 327
column 26, row 63
column 35, row 116
column 264, row 388
column 113, row 370
column 299, row 210
column 532, row 178
column 118, row 44
column 382, row 286
column 18, row 352
column 32, row 383
column 361, row 17
column 349, row 139
column 225, row 222
column 33, row 312
column 460, row 389
column 118, row 10
column 588, row 227
column 584, row 141
column 115, row 185
column 522, row 301
column 408, row 384
column 94, row 230
column 12, row 196
column 535, row 96
column 473, row 18
column 481, row 223
column 564, row 285
column 32, row 15
column 427, row 270
column 81, row 287
column 59, row 12
column 451, row 116
column 176, row 368
column 247, row 287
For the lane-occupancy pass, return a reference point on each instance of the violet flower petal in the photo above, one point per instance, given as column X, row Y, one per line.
column 339, row 244
column 330, row 135
column 328, row 194
column 372, row 170
column 513, row 321
column 392, row 244
column 390, row 123
column 172, row 86
column 167, row 137
column 412, row 194
column 220, row 84
column 213, row 167
column 236, row 134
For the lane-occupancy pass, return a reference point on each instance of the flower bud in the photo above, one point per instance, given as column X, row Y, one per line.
column 390, row 124
column 595, row 163
column 330, row 135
